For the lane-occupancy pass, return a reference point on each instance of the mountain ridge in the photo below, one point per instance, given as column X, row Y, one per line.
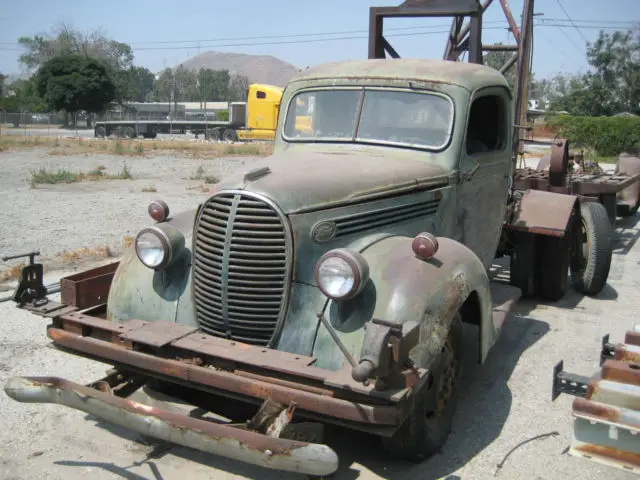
column 258, row 68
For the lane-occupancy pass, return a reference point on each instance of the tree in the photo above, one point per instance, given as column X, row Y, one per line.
column 613, row 84
column 140, row 84
column 22, row 96
column 64, row 40
column 496, row 60
column 74, row 83
column 615, row 59
column 192, row 85
column 213, row 85
column 238, row 87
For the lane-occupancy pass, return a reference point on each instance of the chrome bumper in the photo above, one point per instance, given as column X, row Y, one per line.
column 219, row 439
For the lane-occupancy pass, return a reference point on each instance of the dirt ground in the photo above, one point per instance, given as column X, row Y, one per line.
column 503, row 402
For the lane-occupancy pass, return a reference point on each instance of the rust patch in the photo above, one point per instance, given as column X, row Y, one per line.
column 622, row 354
column 632, row 338
column 596, row 409
column 542, row 212
column 203, row 377
column 621, row 372
column 609, row 452
column 250, row 440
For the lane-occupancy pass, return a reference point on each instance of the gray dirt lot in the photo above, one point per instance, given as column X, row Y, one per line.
column 92, row 214
column 504, row 402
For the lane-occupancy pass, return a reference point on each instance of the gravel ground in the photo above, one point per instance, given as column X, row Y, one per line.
column 504, row 402
column 93, row 214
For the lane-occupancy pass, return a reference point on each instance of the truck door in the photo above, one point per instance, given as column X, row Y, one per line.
column 486, row 156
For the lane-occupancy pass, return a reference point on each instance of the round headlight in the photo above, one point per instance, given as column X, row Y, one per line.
column 158, row 246
column 341, row 274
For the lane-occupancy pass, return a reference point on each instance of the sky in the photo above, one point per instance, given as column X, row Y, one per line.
column 164, row 33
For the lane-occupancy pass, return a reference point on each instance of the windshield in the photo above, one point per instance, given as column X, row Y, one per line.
column 416, row 119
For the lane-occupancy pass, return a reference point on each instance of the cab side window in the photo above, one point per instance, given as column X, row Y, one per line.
column 486, row 130
column 261, row 94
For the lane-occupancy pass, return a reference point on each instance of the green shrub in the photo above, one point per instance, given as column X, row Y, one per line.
column 607, row 136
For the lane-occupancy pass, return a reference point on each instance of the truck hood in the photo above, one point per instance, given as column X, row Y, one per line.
column 302, row 181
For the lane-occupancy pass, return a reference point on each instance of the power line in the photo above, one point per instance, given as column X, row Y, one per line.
column 577, row 29
column 196, row 44
column 621, row 23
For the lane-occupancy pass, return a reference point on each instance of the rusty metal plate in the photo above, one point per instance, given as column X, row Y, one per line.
column 559, row 163
column 80, row 320
column 88, row 288
column 239, row 352
column 543, row 213
column 157, row 333
column 606, row 426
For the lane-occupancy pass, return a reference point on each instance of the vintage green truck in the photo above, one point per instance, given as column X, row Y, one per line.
column 330, row 281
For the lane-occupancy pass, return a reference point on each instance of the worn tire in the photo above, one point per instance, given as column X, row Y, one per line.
column 230, row 135
column 129, row 132
column 590, row 267
column 418, row 439
column 100, row 132
column 553, row 256
column 213, row 135
column 522, row 269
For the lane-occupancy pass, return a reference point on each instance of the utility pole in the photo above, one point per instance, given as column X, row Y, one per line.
column 523, row 75
column 204, row 95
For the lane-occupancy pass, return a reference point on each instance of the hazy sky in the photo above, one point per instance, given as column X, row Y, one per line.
column 164, row 33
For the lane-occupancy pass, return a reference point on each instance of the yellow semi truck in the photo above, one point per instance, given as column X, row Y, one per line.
column 254, row 119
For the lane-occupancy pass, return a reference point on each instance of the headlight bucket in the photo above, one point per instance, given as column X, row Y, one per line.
column 341, row 274
column 159, row 246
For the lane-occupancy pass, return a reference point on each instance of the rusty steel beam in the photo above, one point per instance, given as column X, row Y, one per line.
column 512, row 23
column 606, row 410
column 465, row 30
column 219, row 439
column 221, row 381
column 500, row 48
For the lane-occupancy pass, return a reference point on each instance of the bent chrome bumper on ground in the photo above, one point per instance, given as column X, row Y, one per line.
column 219, row 439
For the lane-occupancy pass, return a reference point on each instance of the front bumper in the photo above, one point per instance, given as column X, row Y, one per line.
column 219, row 439
column 182, row 355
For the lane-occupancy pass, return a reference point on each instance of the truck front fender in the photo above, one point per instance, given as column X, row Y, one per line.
column 410, row 291
column 145, row 294
column 406, row 293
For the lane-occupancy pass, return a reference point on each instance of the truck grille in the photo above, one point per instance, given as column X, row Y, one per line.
column 241, row 267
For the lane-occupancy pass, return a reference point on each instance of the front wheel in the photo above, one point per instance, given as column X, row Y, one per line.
column 427, row 428
column 592, row 249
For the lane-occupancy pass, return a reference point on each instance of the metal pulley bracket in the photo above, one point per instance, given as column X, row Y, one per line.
column 559, row 163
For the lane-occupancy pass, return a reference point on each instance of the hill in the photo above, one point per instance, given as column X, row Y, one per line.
column 259, row 68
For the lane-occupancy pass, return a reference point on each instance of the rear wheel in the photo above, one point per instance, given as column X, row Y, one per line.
column 100, row 132
column 213, row 135
column 230, row 135
column 129, row 132
column 427, row 428
column 592, row 249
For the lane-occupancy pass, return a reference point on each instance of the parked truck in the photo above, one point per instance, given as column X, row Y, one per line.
column 329, row 282
column 254, row 119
